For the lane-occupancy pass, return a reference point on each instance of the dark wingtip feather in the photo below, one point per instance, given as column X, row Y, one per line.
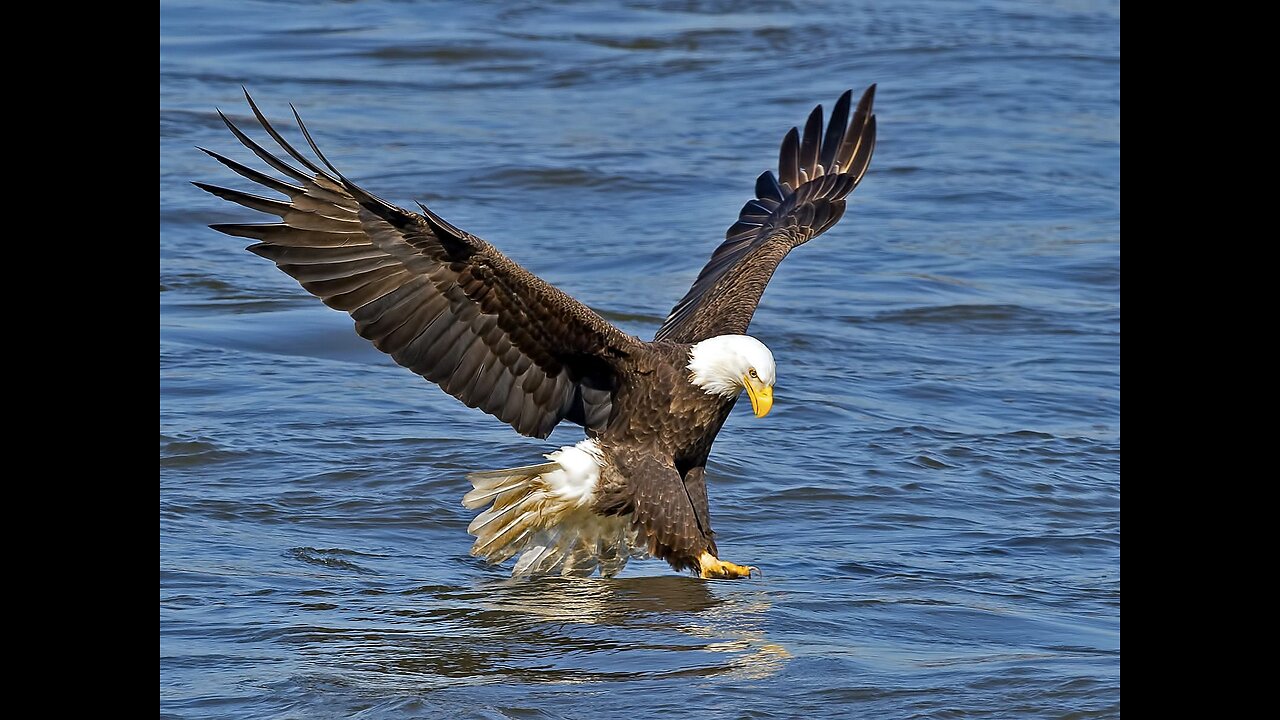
column 856, row 137
column 262, row 153
column 253, row 202
column 836, row 128
column 862, row 158
column 314, row 148
column 868, row 99
column 767, row 187
column 789, row 160
column 809, row 146
column 234, row 229
column 284, row 144
column 260, row 178
column 259, row 249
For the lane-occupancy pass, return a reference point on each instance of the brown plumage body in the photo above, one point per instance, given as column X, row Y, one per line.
column 655, row 462
column 452, row 308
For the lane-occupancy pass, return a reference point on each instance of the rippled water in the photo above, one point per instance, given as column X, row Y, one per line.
column 935, row 500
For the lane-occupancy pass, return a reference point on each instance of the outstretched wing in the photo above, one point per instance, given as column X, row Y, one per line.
column 815, row 174
column 441, row 302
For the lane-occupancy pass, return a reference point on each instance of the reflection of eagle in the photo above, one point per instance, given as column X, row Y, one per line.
column 450, row 307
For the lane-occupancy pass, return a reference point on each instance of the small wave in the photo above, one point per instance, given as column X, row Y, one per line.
column 559, row 178
column 943, row 314
column 335, row 558
column 175, row 453
column 808, row 494
column 471, row 52
column 931, row 463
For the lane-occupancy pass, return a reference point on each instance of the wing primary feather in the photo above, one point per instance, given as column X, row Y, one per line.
column 289, row 236
column 284, row 144
column 320, row 256
column 789, row 161
column 862, row 158
column 836, row 127
column 314, row 148
column 251, row 174
column 853, row 138
column 253, row 202
column 266, row 157
column 809, row 145
column 253, row 231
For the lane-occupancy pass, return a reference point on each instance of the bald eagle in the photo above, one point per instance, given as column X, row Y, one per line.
column 453, row 309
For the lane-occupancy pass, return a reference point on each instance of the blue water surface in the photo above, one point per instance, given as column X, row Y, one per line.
column 935, row 499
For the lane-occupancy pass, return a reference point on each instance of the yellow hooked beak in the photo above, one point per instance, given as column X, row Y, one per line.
column 761, row 395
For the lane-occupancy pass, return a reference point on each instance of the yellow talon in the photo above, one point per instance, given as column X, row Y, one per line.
column 714, row 567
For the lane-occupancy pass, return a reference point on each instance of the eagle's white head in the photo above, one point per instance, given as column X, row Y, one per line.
column 726, row 365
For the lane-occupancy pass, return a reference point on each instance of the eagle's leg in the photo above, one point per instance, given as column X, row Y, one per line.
column 714, row 567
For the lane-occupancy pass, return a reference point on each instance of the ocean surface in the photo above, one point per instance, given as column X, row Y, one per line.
column 935, row 500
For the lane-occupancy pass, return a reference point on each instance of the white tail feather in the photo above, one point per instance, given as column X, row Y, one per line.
column 489, row 484
column 544, row 513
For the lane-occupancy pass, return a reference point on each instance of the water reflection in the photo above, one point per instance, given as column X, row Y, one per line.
column 618, row 601
column 639, row 626
column 558, row 630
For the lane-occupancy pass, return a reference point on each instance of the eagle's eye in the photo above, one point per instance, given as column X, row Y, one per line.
column 753, row 373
